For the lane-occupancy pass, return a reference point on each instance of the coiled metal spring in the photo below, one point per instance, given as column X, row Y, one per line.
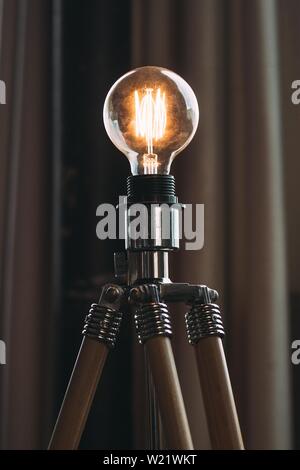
column 152, row 319
column 102, row 323
column 204, row 320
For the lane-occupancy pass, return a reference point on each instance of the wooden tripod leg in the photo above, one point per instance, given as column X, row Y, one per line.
column 79, row 395
column 168, row 391
column 217, row 393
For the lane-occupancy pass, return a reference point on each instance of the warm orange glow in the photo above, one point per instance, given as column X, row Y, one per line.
column 150, row 114
column 150, row 117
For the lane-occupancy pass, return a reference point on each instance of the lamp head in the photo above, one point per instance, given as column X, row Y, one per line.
column 151, row 114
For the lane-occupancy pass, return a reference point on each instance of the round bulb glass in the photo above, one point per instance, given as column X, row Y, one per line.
column 151, row 114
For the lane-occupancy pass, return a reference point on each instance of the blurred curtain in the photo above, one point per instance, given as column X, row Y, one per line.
column 290, row 71
column 58, row 60
column 229, row 53
column 24, row 219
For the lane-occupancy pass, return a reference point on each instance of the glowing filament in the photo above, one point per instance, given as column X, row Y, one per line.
column 150, row 117
column 150, row 163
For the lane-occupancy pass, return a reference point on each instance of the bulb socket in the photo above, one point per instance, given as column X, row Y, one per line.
column 151, row 189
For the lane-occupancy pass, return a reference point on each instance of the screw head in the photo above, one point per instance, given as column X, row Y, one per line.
column 112, row 293
column 135, row 295
column 213, row 295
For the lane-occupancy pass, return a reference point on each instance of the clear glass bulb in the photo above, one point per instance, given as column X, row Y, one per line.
column 151, row 114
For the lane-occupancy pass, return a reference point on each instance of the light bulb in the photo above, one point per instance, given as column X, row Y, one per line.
column 151, row 114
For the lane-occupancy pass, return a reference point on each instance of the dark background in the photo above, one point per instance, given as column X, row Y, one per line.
column 87, row 176
column 59, row 59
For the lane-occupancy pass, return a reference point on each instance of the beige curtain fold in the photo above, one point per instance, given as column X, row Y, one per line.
column 257, row 307
column 229, row 53
column 24, row 217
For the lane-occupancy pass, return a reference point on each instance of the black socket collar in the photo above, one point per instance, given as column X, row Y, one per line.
column 151, row 189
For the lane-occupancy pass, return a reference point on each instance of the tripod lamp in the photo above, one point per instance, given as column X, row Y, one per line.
column 151, row 114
